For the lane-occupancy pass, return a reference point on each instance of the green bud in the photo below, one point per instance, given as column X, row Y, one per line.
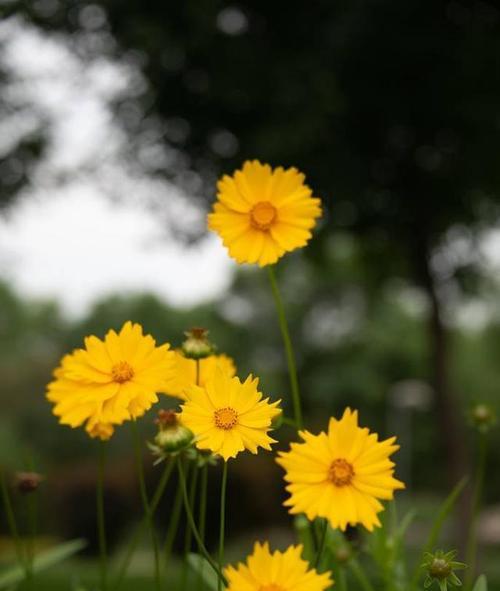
column 440, row 568
column 172, row 436
column 197, row 345
column 483, row 417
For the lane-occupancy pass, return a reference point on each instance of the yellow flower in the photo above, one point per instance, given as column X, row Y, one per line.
column 279, row 571
column 262, row 213
column 110, row 381
column 228, row 416
column 341, row 474
column 185, row 372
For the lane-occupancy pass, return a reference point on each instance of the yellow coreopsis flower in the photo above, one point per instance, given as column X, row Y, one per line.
column 186, row 373
column 340, row 475
column 277, row 571
column 228, row 416
column 263, row 213
column 110, row 381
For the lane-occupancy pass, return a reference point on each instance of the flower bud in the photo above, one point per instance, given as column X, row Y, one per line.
column 172, row 436
column 27, row 482
column 197, row 345
column 440, row 567
column 343, row 554
column 483, row 417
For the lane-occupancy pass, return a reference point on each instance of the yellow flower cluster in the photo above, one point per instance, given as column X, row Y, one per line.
column 340, row 475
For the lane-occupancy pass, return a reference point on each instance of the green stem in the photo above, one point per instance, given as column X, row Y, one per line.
column 174, row 523
column 321, row 545
column 145, row 503
column 222, row 528
column 32, row 510
column 290, row 356
column 188, row 536
column 101, row 524
column 202, row 517
column 12, row 523
column 360, row 575
column 196, row 533
column 471, row 551
column 158, row 494
column 341, row 582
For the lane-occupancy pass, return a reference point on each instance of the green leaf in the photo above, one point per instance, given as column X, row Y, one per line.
column 200, row 565
column 44, row 560
column 481, row 584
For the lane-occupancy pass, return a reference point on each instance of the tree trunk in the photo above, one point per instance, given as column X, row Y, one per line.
column 450, row 425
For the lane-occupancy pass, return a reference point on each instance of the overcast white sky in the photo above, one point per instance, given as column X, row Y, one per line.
column 66, row 238
column 76, row 247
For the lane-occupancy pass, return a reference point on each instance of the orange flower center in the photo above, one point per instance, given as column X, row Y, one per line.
column 122, row 372
column 262, row 215
column 340, row 472
column 271, row 587
column 225, row 418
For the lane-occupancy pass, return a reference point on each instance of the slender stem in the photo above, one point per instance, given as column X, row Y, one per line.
column 322, row 541
column 341, row 582
column 145, row 503
column 471, row 551
column 360, row 575
column 202, row 517
column 101, row 524
column 222, row 528
column 188, row 536
column 174, row 522
column 12, row 523
column 160, row 489
column 196, row 534
column 290, row 356
column 32, row 511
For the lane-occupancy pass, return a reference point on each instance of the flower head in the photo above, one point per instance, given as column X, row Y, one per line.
column 110, row 381
column 263, row 213
column 440, row 567
column 277, row 571
column 188, row 372
column 340, row 475
column 228, row 416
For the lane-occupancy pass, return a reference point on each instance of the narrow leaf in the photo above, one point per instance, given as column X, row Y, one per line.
column 199, row 564
column 481, row 584
column 442, row 515
column 42, row 561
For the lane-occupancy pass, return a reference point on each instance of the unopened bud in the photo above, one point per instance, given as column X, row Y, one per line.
column 197, row 345
column 172, row 437
column 440, row 567
column 27, row 482
column 343, row 554
column 483, row 417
